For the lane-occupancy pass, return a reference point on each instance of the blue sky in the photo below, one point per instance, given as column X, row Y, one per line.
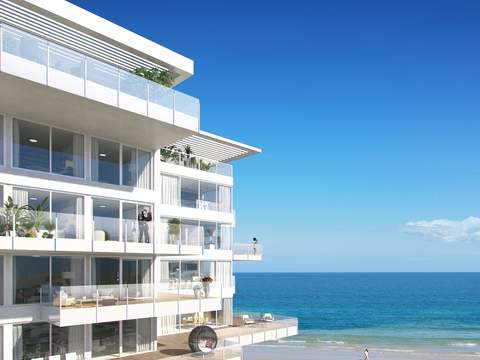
column 367, row 112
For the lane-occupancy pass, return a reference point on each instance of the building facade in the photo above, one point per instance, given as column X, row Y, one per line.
column 117, row 220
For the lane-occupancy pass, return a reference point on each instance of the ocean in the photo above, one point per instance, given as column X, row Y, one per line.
column 430, row 312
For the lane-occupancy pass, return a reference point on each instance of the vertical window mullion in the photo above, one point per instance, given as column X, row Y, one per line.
column 50, row 151
column 120, row 157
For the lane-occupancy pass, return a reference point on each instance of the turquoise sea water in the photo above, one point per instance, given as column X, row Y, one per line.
column 411, row 311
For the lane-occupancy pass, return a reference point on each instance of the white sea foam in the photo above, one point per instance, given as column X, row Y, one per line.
column 332, row 342
column 463, row 344
column 393, row 350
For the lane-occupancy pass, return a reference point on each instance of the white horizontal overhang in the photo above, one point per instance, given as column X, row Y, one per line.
column 216, row 147
column 74, row 17
column 32, row 101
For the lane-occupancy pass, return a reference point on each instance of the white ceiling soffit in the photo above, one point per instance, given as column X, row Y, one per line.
column 216, row 148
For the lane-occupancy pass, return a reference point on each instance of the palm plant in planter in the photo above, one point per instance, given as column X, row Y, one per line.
column 35, row 219
column 170, row 154
column 173, row 229
column 10, row 212
column 206, row 281
column 50, row 227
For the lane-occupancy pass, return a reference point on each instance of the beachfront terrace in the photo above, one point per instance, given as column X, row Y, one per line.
column 230, row 338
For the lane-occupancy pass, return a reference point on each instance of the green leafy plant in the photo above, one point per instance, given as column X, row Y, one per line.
column 9, row 212
column 35, row 218
column 49, row 225
column 174, row 226
column 205, row 165
column 162, row 77
column 170, row 154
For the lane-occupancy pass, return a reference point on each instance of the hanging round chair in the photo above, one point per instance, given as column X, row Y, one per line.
column 202, row 339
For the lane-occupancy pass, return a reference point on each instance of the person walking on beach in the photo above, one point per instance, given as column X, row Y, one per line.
column 365, row 355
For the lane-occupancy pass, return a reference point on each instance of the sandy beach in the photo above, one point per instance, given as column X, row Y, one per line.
column 276, row 352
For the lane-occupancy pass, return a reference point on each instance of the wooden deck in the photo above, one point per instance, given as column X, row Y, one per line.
column 177, row 344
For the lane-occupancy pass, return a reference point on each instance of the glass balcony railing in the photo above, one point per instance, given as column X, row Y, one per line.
column 191, row 161
column 36, row 59
column 86, row 296
column 248, row 250
column 35, row 224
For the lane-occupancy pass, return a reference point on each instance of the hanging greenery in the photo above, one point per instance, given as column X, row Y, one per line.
column 162, row 77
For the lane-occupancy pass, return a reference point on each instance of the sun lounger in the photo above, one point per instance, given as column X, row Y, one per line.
column 267, row 317
column 247, row 320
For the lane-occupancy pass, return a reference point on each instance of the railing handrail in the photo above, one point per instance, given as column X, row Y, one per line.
column 247, row 249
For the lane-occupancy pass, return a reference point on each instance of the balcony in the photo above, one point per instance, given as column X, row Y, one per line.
column 88, row 304
column 33, row 58
column 181, row 158
column 247, row 252
column 230, row 338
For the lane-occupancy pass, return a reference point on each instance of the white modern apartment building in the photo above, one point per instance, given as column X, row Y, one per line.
column 117, row 216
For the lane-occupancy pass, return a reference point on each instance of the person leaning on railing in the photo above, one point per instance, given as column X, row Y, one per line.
column 144, row 217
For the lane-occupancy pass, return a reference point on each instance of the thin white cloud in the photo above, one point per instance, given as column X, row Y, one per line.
column 446, row 230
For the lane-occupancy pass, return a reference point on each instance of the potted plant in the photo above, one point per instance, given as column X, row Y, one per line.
column 206, row 281
column 173, row 230
column 10, row 212
column 36, row 218
column 50, row 227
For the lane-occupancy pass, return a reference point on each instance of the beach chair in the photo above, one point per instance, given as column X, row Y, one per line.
column 247, row 320
column 267, row 317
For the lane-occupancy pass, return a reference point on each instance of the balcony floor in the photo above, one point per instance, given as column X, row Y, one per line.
column 177, row 344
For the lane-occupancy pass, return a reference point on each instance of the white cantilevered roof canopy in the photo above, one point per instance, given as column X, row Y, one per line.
column 216, row 147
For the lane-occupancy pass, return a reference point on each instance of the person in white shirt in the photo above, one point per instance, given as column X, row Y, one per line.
column 365, row 355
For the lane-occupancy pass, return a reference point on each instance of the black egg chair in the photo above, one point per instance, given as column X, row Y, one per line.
column 202, row 339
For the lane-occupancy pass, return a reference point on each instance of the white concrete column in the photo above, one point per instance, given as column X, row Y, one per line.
column 88, row 216
column 88, row 270
column 8, row 136
column 88, row 157
column 7, row 342
column 157, row 187
column 7, row 280
column 88, row 341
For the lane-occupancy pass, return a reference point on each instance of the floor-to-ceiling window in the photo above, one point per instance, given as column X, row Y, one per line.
column 67, row 153
column 105, row 161
column 208, row 196
column 209, row 233
column 50, row 214
column 105, row 339
column 68, row 340
column 30, row 275
column 67, row 211
column 133, row 170
column 106, row 219
column 42, row 148
column 129, row 336
column 31, row 341
column 195, row 194
column 68, row 271
column 105, row 271
column 189, row 192
column 137, row 222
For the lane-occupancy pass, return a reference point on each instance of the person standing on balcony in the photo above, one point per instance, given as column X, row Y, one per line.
column 144, row 217
column 254, row 245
